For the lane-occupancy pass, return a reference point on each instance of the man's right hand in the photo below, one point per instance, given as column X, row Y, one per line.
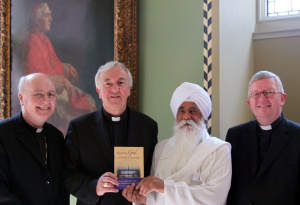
column 106, row 183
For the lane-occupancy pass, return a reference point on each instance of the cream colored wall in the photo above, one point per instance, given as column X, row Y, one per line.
column 282, row 56
column 237, row 22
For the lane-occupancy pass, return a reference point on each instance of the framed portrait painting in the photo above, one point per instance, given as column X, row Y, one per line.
column 67, row 40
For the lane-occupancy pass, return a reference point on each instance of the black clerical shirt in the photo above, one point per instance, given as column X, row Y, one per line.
column 264, row 139
column 40, row 138
column 117, row 127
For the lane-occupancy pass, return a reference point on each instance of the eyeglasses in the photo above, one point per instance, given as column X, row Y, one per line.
column 42, row 95
column 267, row 94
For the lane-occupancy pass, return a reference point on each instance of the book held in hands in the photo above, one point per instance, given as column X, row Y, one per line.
column 128, row 165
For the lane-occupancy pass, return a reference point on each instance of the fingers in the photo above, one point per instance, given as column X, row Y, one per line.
column 140, row 184
column 131, row 189
column 132, row 195
column 143, row 183
column 143, row 186
column 150, row 184
column 145, row 189
column 125, row 192
column 109, row 174
column 106, row 183
column 128, row 192
column 110, row 179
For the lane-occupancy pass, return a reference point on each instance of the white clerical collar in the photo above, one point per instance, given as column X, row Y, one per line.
column 268, row 127
column 38, row 130
column 115, row 119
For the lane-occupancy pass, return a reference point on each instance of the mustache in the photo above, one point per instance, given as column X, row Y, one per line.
column 184, row 123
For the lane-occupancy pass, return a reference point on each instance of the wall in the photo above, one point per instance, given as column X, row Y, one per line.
column 170, row 52
column 281, row 56
column 237, row 22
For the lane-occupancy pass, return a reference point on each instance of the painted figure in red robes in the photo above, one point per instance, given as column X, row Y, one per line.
column 39, row 56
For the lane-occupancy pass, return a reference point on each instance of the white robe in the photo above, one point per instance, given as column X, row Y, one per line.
column 205, row 179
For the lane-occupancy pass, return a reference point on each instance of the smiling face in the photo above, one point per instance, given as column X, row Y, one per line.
column 36, row 109
column 266, row 110
column 114, row 90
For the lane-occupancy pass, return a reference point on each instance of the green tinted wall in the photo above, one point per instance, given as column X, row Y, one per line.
column 170, row 52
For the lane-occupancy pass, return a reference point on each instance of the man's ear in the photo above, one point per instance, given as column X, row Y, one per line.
column 283, row 98
column 248, row 101
column 20, row 96
column 99, row 93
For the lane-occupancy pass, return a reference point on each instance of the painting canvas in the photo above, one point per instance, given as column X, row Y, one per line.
column 67, row 40
column 79, row 38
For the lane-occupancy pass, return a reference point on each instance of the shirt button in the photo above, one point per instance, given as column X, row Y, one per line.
column 47, row 182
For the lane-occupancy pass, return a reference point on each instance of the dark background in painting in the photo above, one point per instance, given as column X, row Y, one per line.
column 81, row 34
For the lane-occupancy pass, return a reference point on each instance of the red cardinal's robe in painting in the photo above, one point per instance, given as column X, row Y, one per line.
column 39, row 56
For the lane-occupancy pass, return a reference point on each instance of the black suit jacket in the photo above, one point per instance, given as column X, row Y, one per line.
column 24, row 178
column 277, row 181
column 89, row 154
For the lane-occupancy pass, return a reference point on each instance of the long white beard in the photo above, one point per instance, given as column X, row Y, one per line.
column 187, row 138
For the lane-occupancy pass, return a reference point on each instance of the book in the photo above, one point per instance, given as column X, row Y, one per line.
column 128, row 165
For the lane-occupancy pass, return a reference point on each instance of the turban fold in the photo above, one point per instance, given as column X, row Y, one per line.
column 191, row 92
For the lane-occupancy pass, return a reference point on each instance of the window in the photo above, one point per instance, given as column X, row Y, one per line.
column 282, row 8
column 277, row 18
column 278, row 9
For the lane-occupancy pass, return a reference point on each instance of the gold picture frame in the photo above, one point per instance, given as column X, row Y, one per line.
column 125, row 49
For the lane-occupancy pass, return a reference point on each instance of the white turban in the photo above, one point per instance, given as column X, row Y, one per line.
column 191, row 92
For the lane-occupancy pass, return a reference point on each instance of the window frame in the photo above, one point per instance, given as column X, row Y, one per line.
column 275, row 26
column 262, row 13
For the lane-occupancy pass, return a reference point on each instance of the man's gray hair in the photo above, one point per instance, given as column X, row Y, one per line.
column 38, row 11
column 106, row 67
column 263, row 75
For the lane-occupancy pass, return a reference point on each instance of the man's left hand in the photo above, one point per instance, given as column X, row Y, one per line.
column 150, row 184
column 132, row 195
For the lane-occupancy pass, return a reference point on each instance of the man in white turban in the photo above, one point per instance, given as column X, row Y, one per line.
column 191, row 167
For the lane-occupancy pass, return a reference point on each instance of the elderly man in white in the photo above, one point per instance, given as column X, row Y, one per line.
column 191, row 167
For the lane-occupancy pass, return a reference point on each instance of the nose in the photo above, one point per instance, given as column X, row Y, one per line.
column 45, row 99
column 115, row 88
column 187, row 116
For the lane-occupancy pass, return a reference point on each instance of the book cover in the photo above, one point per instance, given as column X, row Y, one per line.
column 128, row 165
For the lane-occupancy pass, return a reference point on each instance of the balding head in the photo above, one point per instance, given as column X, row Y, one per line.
column 37, row 97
